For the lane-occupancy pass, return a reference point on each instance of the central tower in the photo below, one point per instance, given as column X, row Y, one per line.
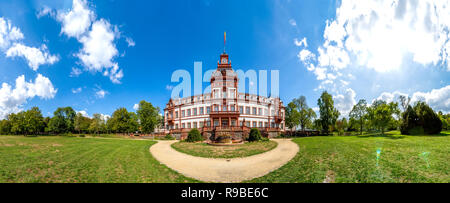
column 224, row 94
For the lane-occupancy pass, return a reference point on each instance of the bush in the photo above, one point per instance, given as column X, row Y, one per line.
column 169, row 137
column 254, row 135
column 194, row 136
column 420, row 120
column 82, row 135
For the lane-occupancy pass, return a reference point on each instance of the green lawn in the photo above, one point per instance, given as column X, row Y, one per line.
column 71, row 159
column 205, row 150
column 354, row 159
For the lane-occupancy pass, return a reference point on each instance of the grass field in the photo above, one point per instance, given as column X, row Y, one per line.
column 320, row 159
column 71, row 159
column 205, row 150
column 354, row 159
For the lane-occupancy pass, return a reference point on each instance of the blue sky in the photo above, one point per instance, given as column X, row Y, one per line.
column 97, row 56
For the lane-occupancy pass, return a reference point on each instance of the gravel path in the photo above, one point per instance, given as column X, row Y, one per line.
column 225, row 170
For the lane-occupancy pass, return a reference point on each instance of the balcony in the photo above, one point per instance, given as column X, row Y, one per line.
column 234, row 113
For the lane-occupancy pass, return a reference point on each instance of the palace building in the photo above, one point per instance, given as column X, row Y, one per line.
column 224, row 110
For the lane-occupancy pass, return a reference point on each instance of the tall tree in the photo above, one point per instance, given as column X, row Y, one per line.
column 123, row 121
column 328, row 114
column 359, row 112
column 62, row 120
column 34, row 121
column 148, row 116
column 381, row 113
column 97, row 124
column 305, row 114
column 81, row 123
column 292, row 116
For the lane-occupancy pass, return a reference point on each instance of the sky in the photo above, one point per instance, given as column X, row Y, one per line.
column 97, row 56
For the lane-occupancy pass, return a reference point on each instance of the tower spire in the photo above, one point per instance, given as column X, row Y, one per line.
column 224, row 40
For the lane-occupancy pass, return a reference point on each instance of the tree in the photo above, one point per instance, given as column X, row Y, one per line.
column 404, row 102
column 328, row 114
column 81, row 123
column 422, row 118
column 305, row 114
column 148, row 116
column 5, row 127
column 17, row 122
column 291, row 116
column 62, row 120
column 381, row 113
column 123, row 121
column 34, row 121
column 359, row 112
column 97, row 124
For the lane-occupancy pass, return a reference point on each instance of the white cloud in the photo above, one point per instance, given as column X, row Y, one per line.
column 136, row 107
column 169, row 87
column 8, row 33
column 98, row 48
column 321, row 73
column 76, row 21
column 84, row 113
column 345, row 102
column 305, row 55
column 75, row 72
column 390, row 97
column 379, row 34
column 45, row 11
column 101, row 93
column 34, row 56
column 292, row 22
column 97, row 37
column 77, row 90
column 11, row 100
column 130, row 42
column 438, row 99
column 301, row 43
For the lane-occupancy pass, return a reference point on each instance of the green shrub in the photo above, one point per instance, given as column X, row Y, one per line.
column 169, row 137
column 82, row 135
column 194, row 136
column 254, row 135
column 420, row 119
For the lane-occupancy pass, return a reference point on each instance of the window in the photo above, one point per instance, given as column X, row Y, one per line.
column 224, row 94
column 260, row 124
column 176, row 114
column 247, row 110
column 232, row 108
column 265, row 112
column 182, row 114
column 189, row 125
column 233, row 122
column 254, row 111
column 201, row 110
column 208, row 109
column 266, row 124
column 254, row 124
column 241, row 109
column 216, row 94
column 247, row 123
column 224, row 108
column 194, row 111
column 260, row 111
column 216, row 122
column 195, row 124
column 183, row 125
column 176, row 126
column 188, row 112
column 241, row 123
column 201, row 124
column 216, row 107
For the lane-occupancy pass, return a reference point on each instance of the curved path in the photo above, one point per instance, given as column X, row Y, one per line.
column 225, row 170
